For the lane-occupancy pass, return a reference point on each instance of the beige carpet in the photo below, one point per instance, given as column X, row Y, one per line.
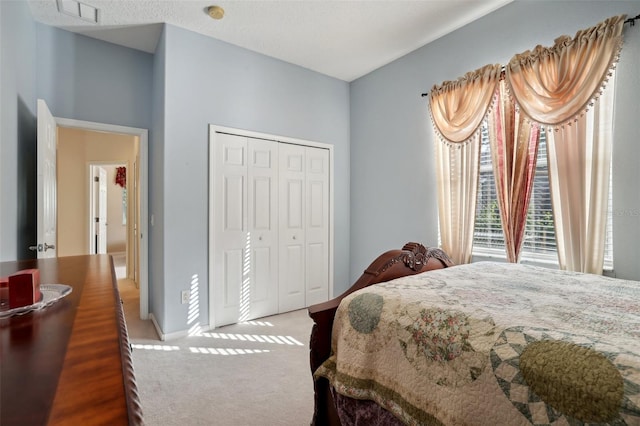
column 254, row 373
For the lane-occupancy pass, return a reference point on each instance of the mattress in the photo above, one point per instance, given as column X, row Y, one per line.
column 492, row 344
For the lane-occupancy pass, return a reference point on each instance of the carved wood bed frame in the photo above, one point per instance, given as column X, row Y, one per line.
column 413, row 258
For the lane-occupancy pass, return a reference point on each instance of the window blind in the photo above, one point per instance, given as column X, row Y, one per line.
column 540, row 240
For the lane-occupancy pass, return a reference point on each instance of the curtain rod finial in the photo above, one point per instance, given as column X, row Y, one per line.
column 632, row 21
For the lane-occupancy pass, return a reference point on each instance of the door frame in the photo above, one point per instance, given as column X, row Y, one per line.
column 143, row 226
column 213, row 130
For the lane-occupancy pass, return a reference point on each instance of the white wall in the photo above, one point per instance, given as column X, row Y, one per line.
column 116, row 229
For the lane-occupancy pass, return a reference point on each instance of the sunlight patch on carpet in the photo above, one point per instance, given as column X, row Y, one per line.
column 226, row 351
column 165, row 348
column 260, row 323
column 262, row 338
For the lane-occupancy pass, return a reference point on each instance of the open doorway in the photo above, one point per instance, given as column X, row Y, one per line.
column 83, row 149
column 110, row 206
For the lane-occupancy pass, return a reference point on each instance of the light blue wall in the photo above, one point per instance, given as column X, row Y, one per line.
column 393, row 195
column 211, row 82
column 175, row 93
column 88, row 79
column 384, row 177
column 79, row 78
column 626, row 156
column 17, row 130
column 156, row 175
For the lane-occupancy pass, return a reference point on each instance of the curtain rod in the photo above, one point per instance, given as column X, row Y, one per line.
column 630, row 21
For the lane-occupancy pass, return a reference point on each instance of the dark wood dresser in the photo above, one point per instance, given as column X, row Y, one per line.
column 69, row 363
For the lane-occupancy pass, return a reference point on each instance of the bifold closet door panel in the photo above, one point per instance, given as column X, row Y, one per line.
column 245, row 275
column 262, row 240
column 270, row 237
column 304, row 226
column 230, row 226
column 292, row 227
column 317, row 225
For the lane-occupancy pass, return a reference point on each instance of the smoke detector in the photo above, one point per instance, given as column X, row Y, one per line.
column 215, row 12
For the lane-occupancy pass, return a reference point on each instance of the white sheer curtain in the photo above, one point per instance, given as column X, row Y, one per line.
column 579, row 177
column 457, row 177
column 457, row 109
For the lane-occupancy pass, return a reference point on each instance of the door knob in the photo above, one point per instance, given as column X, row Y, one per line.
column 42, row 247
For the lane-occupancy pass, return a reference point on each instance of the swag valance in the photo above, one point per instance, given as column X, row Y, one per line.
column 551, row 85
column 545, row 87
column 458, row 107
column 554, row 85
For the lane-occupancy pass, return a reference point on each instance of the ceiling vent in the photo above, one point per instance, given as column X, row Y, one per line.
column 79, row 10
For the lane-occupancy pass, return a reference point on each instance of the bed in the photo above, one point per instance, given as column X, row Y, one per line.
column 432, row 343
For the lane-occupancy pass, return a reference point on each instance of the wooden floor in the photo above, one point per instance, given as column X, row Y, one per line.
column 130, row 294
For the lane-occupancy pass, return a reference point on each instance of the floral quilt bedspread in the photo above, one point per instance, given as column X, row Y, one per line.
column 492, row 344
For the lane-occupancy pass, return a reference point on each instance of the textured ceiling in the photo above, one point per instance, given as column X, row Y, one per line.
column 342, row 39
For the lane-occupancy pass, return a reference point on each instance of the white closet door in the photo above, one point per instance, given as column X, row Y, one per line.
column 292, row 224
column 230, row 226
column 317, row 225
column 262, row 240
column 269, row 225
column 246, row 229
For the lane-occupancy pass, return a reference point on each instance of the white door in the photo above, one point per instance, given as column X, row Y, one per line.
column 270, row 225
column 101, row 209
column 230, row 234
column 46, row 190
column 245, row 230
column 262, row 289
column 317, row 225
column 292, row 227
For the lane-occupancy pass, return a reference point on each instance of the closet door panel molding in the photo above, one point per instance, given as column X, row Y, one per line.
column 228, row 227
column 262, row 238
column 292, row 232
column 317, row 225
column 270, row 224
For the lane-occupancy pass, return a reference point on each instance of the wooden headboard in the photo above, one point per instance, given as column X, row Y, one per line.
column 412, row 259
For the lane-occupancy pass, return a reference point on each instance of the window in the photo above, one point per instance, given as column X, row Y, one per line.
column 540, row 240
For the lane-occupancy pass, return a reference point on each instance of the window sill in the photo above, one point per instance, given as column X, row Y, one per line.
column 498, row 256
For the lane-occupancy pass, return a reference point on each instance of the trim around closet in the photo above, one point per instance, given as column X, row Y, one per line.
column 213, row 131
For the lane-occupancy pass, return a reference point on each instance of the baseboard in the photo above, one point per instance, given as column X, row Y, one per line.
column 175, row 334
column 156, row 326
